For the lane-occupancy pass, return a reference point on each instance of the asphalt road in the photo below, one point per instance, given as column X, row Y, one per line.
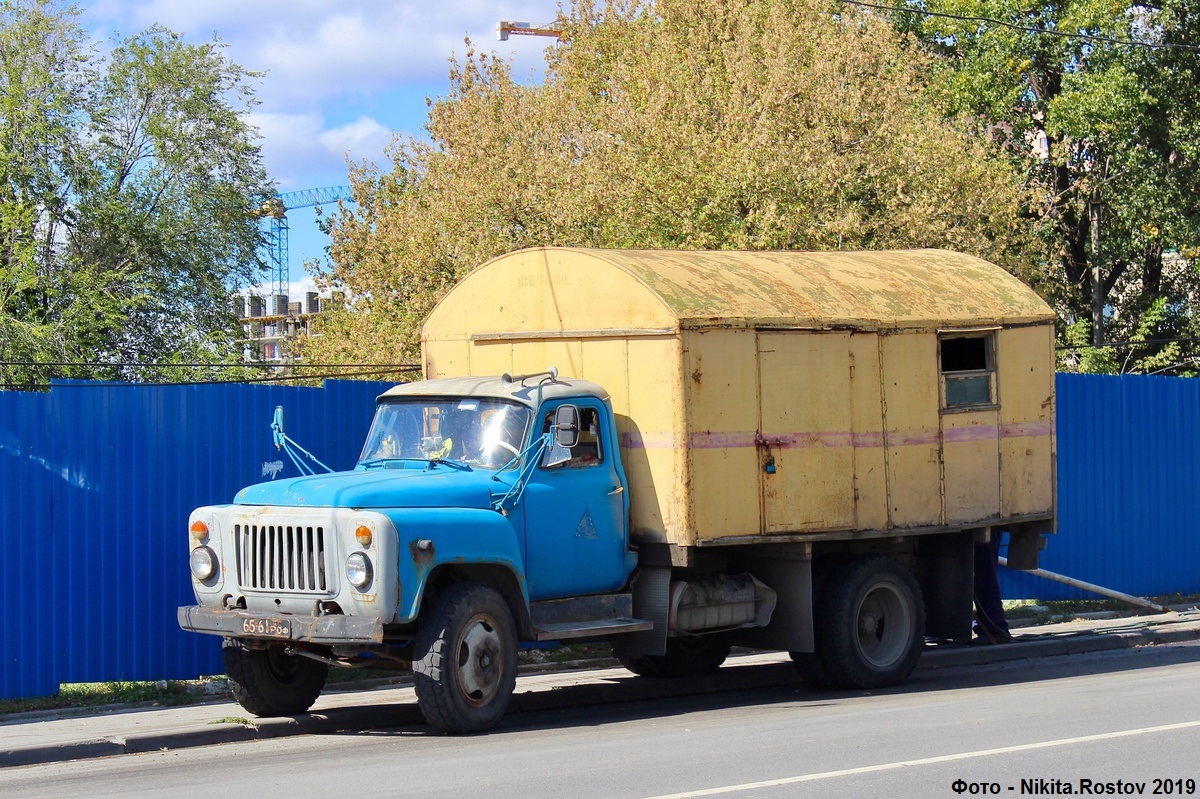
column 1109, row 721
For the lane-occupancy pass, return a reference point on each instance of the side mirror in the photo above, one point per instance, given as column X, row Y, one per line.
column 566, row 426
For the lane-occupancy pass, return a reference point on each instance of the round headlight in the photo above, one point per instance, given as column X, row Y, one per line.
column 358, row 569
column 203, row 562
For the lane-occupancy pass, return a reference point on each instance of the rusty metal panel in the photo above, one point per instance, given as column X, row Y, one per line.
column 564, row 289
column 1025, row 377
column 971, row 465
column 99, row 480
column 538, row 355
column 720, row 382
column 806, row 442
column 911, row 425
column 546, row 290
column 606, row 361
column 862, row 290
column 447, row 358
column 652, row 448
column 866, row 412
column 493, row 358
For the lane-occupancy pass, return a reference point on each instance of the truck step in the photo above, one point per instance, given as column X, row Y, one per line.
column 586, row 629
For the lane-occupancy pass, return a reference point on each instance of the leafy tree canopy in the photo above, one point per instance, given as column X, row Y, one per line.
column 1100, row 101
column 781, row 124
column 128, row 185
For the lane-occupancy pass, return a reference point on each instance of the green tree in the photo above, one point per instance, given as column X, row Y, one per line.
column 129, row 199
column 1099, row 101
column 793, row 124
column 42, row 95
column 166, row 220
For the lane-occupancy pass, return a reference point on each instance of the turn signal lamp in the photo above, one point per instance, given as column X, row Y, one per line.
column 363, row 534
column 199, row 531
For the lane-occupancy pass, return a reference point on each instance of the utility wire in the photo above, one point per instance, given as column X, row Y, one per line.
column 1026, row 28
column 213, row 365
column 241, row 381
column 1191, row 340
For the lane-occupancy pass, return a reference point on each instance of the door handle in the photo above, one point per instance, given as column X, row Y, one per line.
column 617, row 490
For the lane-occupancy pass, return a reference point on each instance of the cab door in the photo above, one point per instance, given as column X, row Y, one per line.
column 576, row 511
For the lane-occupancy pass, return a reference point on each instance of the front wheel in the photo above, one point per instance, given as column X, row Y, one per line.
column 269, row 682
column 870, row 627
column 465, row 660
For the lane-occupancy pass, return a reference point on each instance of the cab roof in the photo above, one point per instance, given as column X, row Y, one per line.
column 530, row 391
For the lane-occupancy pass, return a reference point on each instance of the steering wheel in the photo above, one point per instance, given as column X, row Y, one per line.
column 505, row 445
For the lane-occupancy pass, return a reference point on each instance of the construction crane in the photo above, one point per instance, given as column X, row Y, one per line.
column 274, row 213
column 504, row 28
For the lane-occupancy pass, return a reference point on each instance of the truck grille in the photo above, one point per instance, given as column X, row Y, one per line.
column 281, row 557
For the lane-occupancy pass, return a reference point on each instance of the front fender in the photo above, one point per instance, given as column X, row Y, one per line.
column 433, row 537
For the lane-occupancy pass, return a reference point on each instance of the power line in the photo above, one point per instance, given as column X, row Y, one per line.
column 212, row 365
column 155, row 365
column 1131, row 344
column 1026, row 28
column 187, row 383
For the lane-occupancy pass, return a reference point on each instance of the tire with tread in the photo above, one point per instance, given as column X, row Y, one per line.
column 267, row 682
column 869, row 627
column 684, row 657
column 465, row 659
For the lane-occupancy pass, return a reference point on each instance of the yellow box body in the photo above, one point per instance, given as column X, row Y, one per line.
column 782, row 395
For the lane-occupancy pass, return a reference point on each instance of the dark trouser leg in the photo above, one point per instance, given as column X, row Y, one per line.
column 989, row 613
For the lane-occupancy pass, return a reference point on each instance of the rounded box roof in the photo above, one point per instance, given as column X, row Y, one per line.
column 554, row 288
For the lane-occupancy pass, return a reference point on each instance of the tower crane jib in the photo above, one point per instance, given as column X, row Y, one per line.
column 275, row 216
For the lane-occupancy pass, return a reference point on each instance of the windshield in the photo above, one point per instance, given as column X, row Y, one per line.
column 474, row 430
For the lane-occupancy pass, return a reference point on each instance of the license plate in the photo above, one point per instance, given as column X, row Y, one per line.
column 267, row 628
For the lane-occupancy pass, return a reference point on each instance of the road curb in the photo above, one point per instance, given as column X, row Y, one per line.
column 623, row 689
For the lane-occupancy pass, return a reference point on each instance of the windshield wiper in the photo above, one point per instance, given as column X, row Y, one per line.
column 371, row 463
column 377, row 461
column 462, row 467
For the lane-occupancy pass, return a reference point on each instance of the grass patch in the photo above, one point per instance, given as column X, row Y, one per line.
column 98, row 694
column 233, row 720
column 564, row 653
column 1069, row 609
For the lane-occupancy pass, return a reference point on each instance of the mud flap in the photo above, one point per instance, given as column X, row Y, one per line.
column 651, row 601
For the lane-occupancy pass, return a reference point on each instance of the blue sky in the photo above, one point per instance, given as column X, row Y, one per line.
column 342, row 76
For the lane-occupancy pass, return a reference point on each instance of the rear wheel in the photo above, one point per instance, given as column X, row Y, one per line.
column 684, row 657
column 870, row 622
column 465, row 661
column 268, row 682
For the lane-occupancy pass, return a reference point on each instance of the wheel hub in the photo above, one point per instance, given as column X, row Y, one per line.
column 883, row 625
column 479, row 661
column 869, row 624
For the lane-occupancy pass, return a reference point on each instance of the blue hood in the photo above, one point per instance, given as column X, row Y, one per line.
column 442, row 487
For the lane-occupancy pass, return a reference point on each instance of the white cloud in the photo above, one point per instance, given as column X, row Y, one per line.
column 300, row 152
column 362, row 138
column 318, row 49
column 342, row 75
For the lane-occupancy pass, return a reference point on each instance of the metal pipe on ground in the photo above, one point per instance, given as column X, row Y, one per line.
column 1095, row 589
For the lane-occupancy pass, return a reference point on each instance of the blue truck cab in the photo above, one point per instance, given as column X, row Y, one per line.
column 483, row 511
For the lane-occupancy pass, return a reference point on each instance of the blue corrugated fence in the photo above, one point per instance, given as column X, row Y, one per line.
column 98, row 481
column 1128, row 488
